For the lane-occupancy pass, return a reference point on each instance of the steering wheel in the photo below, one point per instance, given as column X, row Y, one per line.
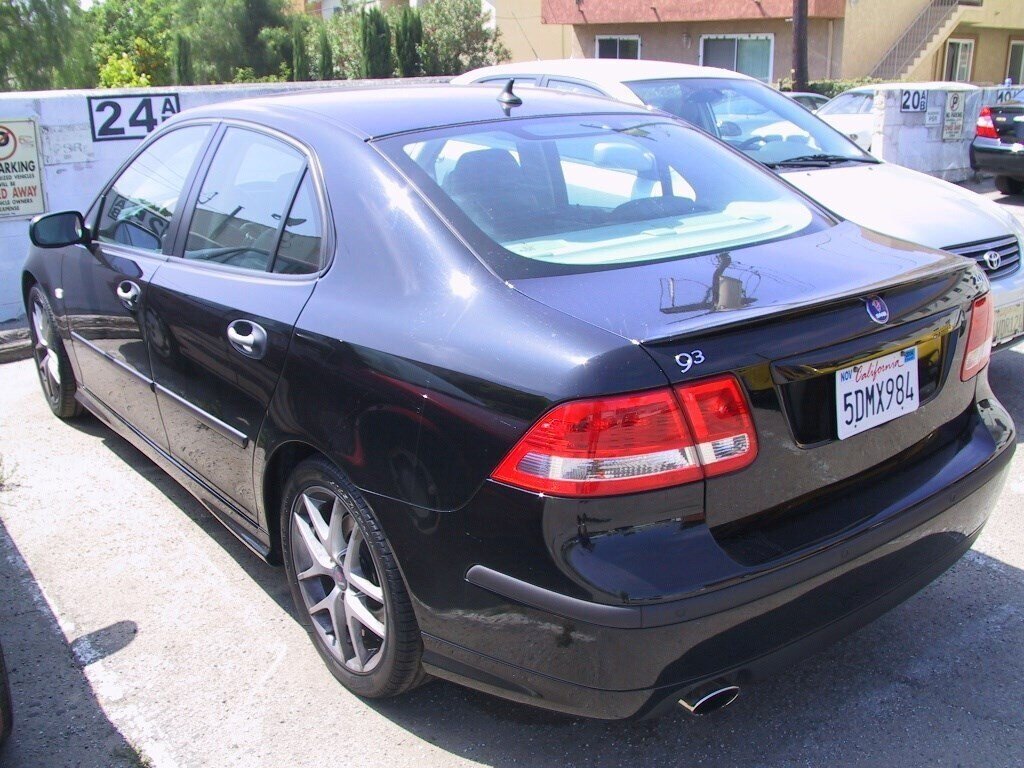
column 752, row 142
column 651, row 208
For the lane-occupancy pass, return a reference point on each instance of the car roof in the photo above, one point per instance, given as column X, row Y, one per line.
column 603, row 70
column 932, row 86
column 375, row 112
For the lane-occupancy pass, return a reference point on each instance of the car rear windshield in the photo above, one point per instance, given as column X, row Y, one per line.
column 756, row 119
column 562, row 194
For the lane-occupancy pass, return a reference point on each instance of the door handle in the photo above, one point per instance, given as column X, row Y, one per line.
column 129, row 293
column 248, row 338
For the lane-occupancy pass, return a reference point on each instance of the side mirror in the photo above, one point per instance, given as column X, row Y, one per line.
column 729, row 130
column 58, row 230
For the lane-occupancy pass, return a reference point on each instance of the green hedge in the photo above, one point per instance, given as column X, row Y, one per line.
column 830, row 88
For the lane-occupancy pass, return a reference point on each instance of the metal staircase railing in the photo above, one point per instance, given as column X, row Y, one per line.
column 914, row 40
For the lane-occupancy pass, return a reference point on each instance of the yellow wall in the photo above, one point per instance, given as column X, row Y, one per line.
column 680, row 42
column 871, row 28
column 524, row 34
column 991, row 52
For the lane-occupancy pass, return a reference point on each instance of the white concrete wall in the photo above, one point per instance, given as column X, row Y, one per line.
column 75, row 167
column 906, row 139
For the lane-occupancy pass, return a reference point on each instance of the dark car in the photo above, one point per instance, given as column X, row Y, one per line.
column 998, row 146
column 543, row 394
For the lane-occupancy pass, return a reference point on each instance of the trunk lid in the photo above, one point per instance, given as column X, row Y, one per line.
column 1008, row 118
column 786, row 317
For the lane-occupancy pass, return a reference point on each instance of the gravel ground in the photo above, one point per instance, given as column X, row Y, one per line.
column 139, row 632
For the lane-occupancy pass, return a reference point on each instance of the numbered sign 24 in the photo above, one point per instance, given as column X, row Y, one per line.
column 129, row 117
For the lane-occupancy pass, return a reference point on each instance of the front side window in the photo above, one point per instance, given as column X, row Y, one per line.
column 245, row 195
column 618, row 47
column 569, row 194
column 752, row 55
column 752, row 117
column 138, row 208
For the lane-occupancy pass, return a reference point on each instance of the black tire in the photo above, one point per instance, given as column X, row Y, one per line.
column 6, row 710
column 1009, row 185
column 56, row 376
column 398, row 667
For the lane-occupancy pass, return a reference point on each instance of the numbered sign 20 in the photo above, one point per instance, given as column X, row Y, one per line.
column 914, row 101
column 129, row 117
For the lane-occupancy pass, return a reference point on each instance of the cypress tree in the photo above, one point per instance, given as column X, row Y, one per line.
column 377, row 57
column 408, row 38
column 326, row 64
column 300, row 57
column 183, row 71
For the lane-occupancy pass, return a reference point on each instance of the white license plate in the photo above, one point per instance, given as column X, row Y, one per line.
column 876, row 391
column 1009, row 322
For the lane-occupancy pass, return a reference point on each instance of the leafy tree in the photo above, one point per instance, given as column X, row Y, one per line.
column 229, row 35
column 377, row 57
column 300, row 56
column 44, row 44
column 325, row 54
column 408, row 38
column 457, row 38
column 139, row 29
column 183, row 72
column 119, row 72
column 345, row 33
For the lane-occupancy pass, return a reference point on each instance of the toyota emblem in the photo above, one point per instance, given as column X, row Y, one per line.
column 993, row 259
column 877, row 309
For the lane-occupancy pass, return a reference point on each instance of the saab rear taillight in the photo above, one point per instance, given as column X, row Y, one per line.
column 986, row 127
column 979, row 337
column 632, row 443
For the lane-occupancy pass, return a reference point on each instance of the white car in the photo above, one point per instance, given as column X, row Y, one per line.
column 850, row 113
column 809, row 154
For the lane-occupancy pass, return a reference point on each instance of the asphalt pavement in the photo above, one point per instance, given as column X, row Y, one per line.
column 139, row 632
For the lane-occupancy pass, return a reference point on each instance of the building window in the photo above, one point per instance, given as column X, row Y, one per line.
column 959, row 60
column 618, row 47
column 1015, row 67
column 752, row 55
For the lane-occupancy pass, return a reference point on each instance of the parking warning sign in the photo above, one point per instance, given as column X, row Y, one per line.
column 21, row 172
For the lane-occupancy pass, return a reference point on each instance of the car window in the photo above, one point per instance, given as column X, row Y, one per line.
column 244, row 197
column 299, row 250
column 138, row 208
column 754, row 118
column 572, row 193
column 573, row 87
column 849, row 104
column 521, row 80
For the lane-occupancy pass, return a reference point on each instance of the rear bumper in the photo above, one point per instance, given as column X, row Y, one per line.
column 636, row 659
column 994, row 156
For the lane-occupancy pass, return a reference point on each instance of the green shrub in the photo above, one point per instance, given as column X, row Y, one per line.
column 830, row 88
column 119, row 72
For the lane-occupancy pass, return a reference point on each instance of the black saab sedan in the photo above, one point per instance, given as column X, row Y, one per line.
column 551, row 396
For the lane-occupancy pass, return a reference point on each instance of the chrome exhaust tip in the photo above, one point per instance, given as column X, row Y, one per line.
column 705, row 699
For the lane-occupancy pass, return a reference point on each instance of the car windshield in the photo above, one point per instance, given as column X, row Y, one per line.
column 754, row 118
column 849, row 103
column 577, row 193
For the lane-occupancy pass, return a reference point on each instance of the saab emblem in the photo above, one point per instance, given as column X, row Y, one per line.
column 877, row 309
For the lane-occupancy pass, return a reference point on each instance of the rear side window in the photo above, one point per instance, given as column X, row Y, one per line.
column 243, row 201
column 573, row 87
column 138, row 209
column 299, row 250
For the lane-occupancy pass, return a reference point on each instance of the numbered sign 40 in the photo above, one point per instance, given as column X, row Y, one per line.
column 129, row 117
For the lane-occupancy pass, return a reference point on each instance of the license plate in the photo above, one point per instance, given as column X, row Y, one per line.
column 1009, row 322
column 876, row 391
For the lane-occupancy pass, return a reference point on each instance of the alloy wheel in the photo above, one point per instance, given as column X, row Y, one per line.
column 46, row 358
column 338, row 579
